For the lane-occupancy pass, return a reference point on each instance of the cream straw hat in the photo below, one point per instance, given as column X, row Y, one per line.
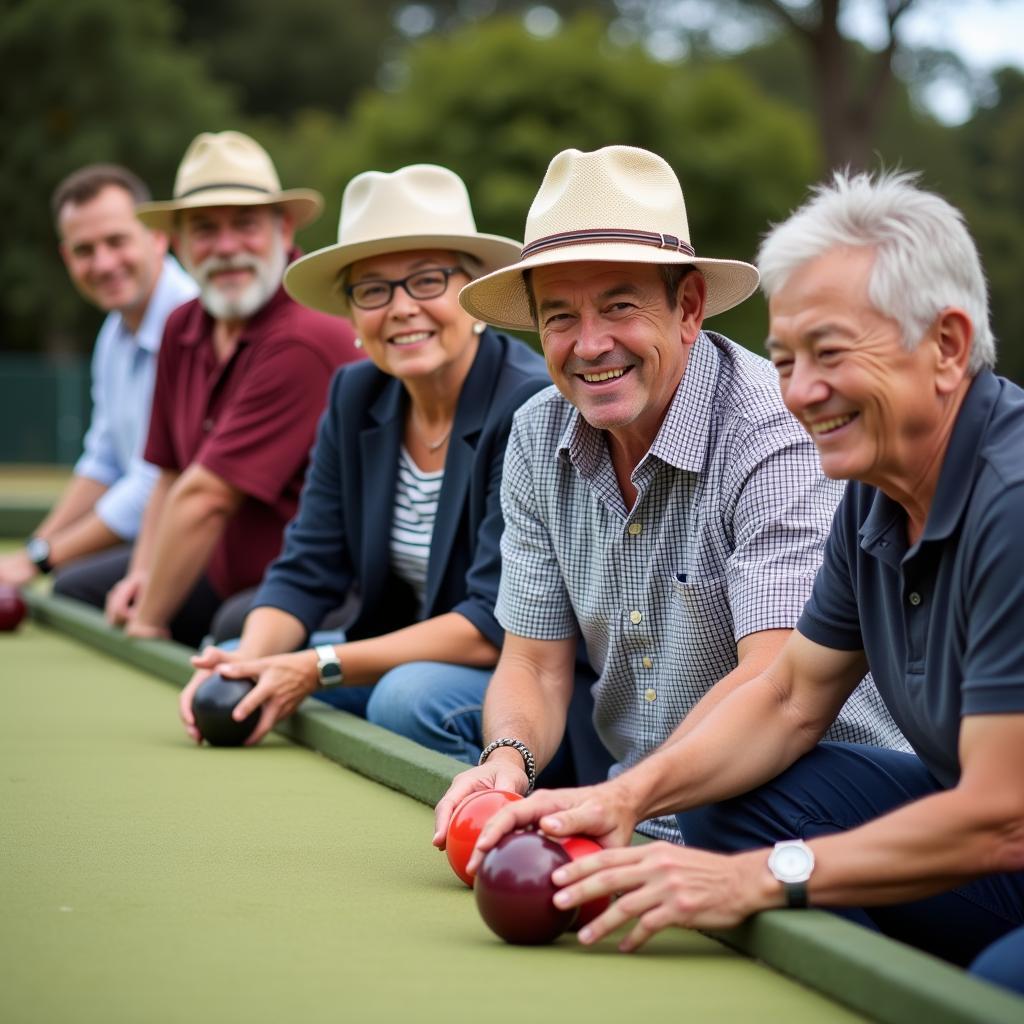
column 422, row 206
column 229, row 169
column 615, row 205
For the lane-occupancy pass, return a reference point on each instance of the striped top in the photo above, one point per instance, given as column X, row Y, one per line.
column 413, row 524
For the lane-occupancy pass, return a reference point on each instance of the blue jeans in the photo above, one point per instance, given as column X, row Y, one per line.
column 838, row 786
column 436, row 704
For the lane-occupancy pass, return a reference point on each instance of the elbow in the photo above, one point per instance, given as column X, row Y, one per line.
column 205, row 503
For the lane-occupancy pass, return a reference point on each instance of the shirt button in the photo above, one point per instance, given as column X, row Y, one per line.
column 647, row 663
column 208, row 424
column 650, row 695
column 635, row 529
column 636, row 618
column 915, row 598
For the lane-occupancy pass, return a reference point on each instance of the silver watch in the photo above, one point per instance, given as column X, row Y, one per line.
column 328, row 667
column 791, row 863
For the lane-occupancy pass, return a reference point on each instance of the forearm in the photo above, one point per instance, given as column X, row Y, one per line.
column 928, row 846
column 189, row 528
column 78, row 499
column 717, row 759
column 85, row 536
column 269, row 631
column 528, row 699
column 447, row 638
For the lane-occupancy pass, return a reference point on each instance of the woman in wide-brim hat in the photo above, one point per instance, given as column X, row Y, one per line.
column 401, row 508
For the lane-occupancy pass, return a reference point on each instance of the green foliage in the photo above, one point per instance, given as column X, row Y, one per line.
column 496, row 104
column 92, row 80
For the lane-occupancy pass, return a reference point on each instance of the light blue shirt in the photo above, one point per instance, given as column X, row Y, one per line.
column 123, row 372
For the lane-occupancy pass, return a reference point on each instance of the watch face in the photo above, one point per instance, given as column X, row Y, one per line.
column 791, row 862
column 37, row 549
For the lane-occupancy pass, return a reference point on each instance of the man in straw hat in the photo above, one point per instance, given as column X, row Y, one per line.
column 241, row 380
column 662, row 501
column 122, row 268
column 880, row 336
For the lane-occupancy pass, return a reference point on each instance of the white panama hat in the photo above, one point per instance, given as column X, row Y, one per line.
column 228, row 169
column 615, row 205
column 422, row 206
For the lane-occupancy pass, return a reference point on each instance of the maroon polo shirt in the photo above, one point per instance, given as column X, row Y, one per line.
column 250, row 420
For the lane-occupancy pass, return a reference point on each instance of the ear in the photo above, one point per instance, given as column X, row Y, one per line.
column 691, row 295
column 161, row 241
column 287, row 229
column 65, row 254
column 953, row 338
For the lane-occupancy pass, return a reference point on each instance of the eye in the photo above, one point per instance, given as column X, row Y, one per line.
column 783, row 365
column 370, row 290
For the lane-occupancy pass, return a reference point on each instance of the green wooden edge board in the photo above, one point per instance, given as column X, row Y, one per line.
column 885, row 980
column 20, row 519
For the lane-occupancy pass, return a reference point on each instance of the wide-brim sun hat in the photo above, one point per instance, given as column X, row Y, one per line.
column 422, row 206
column 229, row 169
column 615, row 205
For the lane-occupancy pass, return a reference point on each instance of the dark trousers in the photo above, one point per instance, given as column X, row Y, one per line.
column 839, row 786
column 89, row 579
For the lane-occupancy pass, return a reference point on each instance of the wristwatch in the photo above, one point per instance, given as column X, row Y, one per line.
column 791, row 863
column 38, row 551
column 328, row 668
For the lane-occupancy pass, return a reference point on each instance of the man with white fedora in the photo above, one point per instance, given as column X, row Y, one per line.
column 241, row 380
column 660, row 500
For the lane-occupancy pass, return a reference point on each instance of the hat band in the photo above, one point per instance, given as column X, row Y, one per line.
column 565, row 238
column 226, row 184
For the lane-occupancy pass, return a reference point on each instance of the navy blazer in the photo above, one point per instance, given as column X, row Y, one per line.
column 340, row 537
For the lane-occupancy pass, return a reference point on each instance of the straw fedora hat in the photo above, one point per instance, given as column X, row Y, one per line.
column 422, row 206
column 229, row 169
column 615, row 205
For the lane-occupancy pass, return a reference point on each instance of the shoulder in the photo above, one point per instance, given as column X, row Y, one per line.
column 289, row 323
column 747, row 404
column 521, row 371
column 1003, row 439
column 175, row 283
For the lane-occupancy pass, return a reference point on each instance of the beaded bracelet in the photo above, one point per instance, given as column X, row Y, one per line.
column 524, row 750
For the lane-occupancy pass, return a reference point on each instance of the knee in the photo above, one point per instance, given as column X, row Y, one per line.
column 398, row 698
column 1001, row 962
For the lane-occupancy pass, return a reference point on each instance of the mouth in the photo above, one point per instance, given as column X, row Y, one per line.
column 413, row 338
column 824, row 428
column 603, row 376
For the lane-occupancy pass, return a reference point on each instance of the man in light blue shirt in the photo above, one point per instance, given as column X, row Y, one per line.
column 123, row 268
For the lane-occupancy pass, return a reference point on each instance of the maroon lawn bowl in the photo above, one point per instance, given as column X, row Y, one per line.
column 514, row 889
column 12, row 608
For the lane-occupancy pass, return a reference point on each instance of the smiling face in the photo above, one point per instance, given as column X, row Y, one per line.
column 872, row 407
column 415, row 338
column 113, row 260
column 237, row 255
column 615, row 347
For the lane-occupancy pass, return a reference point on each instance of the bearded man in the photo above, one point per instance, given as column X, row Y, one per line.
column 241, row 381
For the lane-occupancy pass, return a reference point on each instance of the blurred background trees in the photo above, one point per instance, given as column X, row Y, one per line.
column 750, row 100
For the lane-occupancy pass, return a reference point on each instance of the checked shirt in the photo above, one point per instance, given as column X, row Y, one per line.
column 724, row 540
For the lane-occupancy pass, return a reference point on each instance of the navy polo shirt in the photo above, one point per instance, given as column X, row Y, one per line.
column 941, row 622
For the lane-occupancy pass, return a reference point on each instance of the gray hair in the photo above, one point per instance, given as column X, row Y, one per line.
column 926, row 259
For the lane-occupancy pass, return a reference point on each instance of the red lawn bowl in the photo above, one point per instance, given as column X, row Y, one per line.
column 514, row 889
column 464, row 829
column 12, row 608
column 578, row 847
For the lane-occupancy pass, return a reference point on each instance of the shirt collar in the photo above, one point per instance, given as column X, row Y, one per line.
column 682, row 440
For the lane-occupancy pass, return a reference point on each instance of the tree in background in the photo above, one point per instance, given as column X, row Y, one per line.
column 82, row 82
column 495, row 104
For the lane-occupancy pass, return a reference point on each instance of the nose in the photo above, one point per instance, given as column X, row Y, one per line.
column 805, row 387
column 593, row 340
column 104, row 259
column 226, row 241
column 402, row 304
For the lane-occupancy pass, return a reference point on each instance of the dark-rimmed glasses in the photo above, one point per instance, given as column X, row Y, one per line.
column 424, row 284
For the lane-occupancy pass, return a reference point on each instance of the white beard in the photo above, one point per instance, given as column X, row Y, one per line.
column 240, row 305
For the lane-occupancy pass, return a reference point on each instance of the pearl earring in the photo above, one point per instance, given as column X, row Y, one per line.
column 358, row 342
column 479, row 328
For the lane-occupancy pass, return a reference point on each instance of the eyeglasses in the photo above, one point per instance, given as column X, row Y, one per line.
column 424, row 284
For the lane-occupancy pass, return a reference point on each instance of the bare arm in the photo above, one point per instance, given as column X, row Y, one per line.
column 528, row 700
column 195, row 511
column 79, row 497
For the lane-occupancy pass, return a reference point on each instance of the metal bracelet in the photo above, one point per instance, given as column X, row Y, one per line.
column 528, row 760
